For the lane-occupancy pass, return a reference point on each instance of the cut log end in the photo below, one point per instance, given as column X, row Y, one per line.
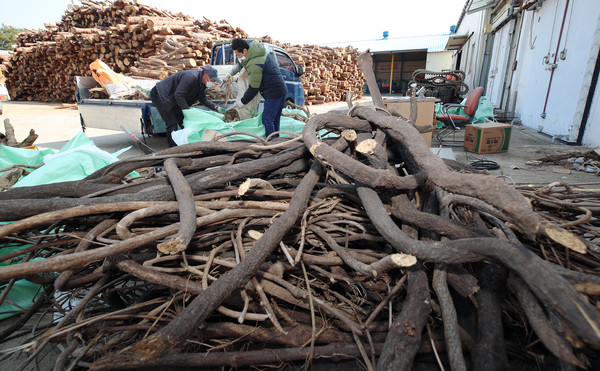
column 171, row 247
column 565, row 238
column 349, row 135
column 367, row 146
column 403, row 260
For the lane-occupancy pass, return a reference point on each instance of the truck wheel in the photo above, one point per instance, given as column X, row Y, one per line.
column 289, row 104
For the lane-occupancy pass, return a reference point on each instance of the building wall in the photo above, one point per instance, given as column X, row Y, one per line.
column 441, row 61
column 499, row 65
column 549, row 101
column 592, row 128
column 592, row 134
column 543, row 76
column 473, row 49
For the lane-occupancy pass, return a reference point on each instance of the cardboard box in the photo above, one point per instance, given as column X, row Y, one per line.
column 489, row 137
column 400, row 106
column 427, row 138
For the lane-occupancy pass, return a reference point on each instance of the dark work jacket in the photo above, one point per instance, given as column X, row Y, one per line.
column 263, row 75
column 183, row 89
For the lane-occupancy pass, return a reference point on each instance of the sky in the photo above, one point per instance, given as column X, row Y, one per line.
column 298, row 22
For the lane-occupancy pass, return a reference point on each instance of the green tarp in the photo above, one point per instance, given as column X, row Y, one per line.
column 22, row 294
column 77, row 159
column 199, row 123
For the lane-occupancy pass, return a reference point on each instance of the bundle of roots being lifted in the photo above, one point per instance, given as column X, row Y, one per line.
column 359, row 247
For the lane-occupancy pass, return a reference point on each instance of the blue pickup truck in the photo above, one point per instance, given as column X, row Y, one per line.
column 223, row 59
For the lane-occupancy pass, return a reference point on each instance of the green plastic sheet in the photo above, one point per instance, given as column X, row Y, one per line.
column 23, row 156
column 23, row 293
column 198, row 125
column 77, row 159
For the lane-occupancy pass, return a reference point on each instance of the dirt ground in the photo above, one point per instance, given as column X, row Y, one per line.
column 56, row 125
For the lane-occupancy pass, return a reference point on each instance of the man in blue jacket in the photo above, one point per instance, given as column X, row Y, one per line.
column 178, row 92
column 264, row 77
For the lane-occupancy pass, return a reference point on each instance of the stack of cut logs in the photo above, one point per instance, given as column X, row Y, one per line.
column 122, row 34
column 330, row 72
column 145, row 42
column 4, row 59
column 176, row 53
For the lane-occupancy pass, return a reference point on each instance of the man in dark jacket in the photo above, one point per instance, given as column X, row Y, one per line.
column 264, row 77
column 178, row 92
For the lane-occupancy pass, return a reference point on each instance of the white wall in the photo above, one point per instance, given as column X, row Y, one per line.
column 498, row 62
column 591, row 136
column 473, row 49
column 539, row 38
column 440, row 61
column 558, row 111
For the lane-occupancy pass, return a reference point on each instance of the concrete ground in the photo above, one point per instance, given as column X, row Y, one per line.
column 57, row 124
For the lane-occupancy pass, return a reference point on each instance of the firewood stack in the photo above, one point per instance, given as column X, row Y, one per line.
column 123, row 34
column 176, row 53
column 145, row 42
column 4, row 59
column 330, row 72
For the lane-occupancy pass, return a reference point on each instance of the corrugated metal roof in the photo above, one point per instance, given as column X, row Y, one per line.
column 431, row 43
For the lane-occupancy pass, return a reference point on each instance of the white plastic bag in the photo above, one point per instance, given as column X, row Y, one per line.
column 249, row 110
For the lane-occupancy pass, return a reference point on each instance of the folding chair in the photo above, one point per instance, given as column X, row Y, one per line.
column 453, row 122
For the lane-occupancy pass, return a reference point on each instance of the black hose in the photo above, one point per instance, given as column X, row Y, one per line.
column 484, row 164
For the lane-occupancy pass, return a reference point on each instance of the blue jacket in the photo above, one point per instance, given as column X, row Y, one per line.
column 183, row 89
column 263, row 75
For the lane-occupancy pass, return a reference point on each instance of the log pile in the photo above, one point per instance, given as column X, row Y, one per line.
column 258, row 254
column 173, row 55
column 4, row 59
column 144, row 42
column 123, row 34
column 331, row 73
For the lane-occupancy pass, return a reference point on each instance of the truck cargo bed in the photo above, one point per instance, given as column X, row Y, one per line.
column 139, row 116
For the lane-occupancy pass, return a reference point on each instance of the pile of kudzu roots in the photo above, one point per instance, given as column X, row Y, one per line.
column 359, row 248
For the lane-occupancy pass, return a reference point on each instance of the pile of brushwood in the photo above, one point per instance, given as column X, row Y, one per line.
column 362, row 250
